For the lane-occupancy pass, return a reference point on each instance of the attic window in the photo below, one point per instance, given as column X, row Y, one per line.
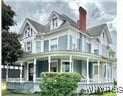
column 55, row 23
column 103, row 35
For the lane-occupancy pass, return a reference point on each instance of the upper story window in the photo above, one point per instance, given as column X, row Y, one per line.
column 96, row 49
column 103, row 35
column 29, row 46
column 89, row 47
column 54, row 22
column 53, row 44
column 38, row 46
column 28, row 31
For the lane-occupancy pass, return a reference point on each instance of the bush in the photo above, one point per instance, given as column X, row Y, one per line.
column 58, row 84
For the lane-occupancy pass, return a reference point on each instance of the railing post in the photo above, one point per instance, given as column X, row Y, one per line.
column 49, row 62
column 87, row 71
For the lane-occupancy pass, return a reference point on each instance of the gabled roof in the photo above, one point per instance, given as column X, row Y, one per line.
column 66, row 19
column 95, row 31
column 39, row 27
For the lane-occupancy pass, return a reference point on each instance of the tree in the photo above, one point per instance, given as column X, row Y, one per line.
column 11, row 47
column 7, row 16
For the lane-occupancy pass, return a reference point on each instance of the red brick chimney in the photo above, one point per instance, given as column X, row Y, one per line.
column 82, row 19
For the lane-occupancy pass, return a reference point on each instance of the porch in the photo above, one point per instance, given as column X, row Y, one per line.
column 94, row 69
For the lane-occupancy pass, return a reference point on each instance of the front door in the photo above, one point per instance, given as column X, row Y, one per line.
column 31, row 72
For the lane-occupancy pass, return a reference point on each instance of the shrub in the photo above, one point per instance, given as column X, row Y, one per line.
column 58, row 84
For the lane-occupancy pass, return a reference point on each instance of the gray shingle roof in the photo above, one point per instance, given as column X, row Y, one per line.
column 39, row 27
column 95, row 31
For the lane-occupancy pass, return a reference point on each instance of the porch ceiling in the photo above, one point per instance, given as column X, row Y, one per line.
column 65, row 55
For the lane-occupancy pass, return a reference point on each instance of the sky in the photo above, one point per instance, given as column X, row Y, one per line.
column 98, row 12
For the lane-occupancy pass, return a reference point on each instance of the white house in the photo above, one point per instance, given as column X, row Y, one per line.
column 64, row 45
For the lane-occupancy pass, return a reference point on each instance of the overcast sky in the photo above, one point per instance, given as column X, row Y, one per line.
column 98, row 11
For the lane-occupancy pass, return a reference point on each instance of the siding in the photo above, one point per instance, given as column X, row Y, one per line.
column 62, row 42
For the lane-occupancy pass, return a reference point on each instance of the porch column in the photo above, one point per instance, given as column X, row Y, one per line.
column 61, row 66
column 27, row 72
column 7, row 73
column 106, row 72
column 49, row 62
column 34, row 71
column 21, row 72
column 98, row 71
column 87, row 70
column 71, row 67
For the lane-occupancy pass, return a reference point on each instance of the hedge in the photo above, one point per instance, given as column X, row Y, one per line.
column 58, row 84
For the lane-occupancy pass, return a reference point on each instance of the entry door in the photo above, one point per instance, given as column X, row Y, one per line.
column 54, row 66
column 31, row 72
column 95, row 71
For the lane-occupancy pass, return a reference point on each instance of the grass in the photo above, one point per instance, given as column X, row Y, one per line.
column 109, row 94
column 7, row 93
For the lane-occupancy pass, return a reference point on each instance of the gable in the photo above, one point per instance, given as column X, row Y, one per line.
column 25, row 25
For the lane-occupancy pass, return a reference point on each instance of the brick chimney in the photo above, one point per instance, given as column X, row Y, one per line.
column 81, row 23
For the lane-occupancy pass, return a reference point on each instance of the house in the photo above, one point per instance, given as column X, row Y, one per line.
column 64, row 45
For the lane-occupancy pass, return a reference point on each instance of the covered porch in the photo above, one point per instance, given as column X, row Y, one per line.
column 94, row 69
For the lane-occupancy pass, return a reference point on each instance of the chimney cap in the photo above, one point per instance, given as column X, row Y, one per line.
column 82, row 10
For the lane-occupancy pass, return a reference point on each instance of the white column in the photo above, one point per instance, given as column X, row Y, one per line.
column 98, row 71
column 87, row 70
column 21, row 72
column 27, row 72
column 7, row 73
column 34, row 70
column 106, row 72
column 70, row 61
column 49, row 62
column 61, row 66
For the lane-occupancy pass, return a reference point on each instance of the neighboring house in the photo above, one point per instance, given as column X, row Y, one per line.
column 63, row 45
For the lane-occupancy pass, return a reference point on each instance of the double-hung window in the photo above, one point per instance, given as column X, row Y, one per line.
column 29, row 46
column 96, row 49
column 53, row 44
column 55, row 23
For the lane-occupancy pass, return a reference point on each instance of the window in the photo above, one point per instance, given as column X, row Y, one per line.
column 96, row 49
column 103, row 35
column 88, row 47
column 38, row 46
column 53, row 44
column 74, row 43
column 55, row 23
column 29, row 46
column 53, row 47
column 95, row 70
column 65, row 67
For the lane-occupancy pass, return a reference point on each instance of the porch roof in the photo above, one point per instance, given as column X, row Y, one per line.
column 75, row 54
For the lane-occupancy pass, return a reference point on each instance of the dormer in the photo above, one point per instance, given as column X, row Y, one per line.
column 55, row 20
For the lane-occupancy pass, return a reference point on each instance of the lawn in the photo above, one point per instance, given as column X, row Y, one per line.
column 109, row 94
column 7, row 93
